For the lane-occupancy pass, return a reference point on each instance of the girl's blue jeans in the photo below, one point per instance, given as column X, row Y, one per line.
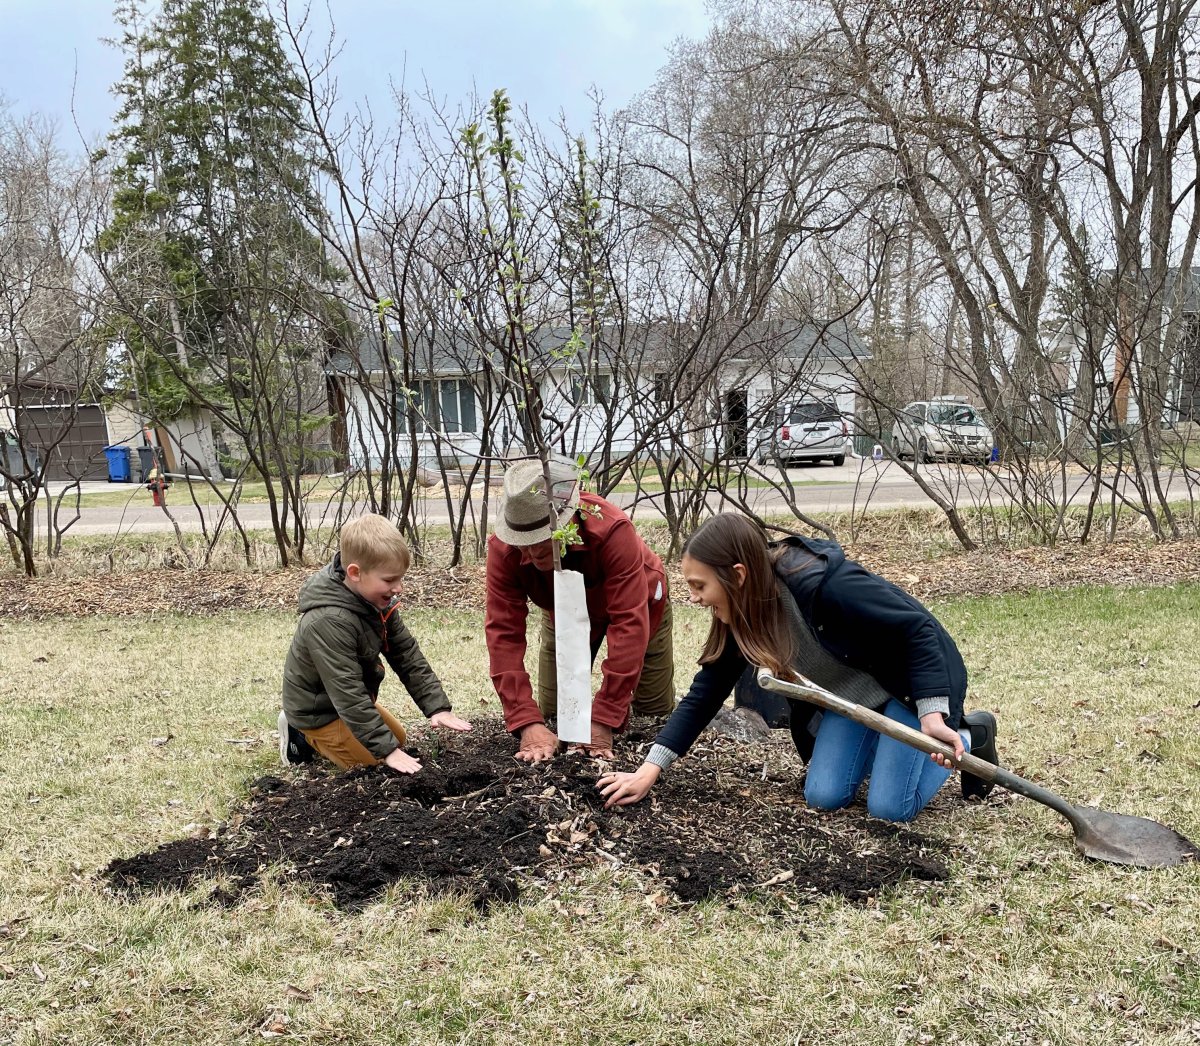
column 903, row 779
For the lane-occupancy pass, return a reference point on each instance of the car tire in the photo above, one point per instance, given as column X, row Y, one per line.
column 838, row 459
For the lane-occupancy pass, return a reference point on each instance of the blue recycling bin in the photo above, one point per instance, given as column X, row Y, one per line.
column 119, row 470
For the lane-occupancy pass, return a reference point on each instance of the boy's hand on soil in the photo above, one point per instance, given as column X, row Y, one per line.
column 400, row 761
column 449, row 721
column 933, row 725
column 621, row 789
column 602, row 743
column 538, row 743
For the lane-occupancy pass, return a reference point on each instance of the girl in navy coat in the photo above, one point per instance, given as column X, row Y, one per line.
column 800, row 603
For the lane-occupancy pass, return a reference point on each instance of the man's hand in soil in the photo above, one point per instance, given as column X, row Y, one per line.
column 620, row 789
column 449, row 721
column 538, row 743
column 400, row 761
column 602, row 743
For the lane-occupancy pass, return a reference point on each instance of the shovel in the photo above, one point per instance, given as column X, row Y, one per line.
column 1117, row 838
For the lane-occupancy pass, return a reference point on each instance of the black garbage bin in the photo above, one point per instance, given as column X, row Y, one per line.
column 147, row 461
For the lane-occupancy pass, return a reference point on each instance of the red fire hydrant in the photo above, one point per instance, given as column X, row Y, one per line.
column 157, row 485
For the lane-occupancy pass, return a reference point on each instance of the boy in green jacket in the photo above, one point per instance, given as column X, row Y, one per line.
column 331, row 678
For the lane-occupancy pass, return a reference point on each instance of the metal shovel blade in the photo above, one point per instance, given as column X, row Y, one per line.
column 1105, row 836
column 1125, row 839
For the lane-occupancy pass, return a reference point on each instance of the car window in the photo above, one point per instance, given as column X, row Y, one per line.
column 915, row 410
column 952, row 414
column 808, row 412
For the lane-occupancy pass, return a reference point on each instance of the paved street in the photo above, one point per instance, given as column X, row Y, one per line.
column 858, row 484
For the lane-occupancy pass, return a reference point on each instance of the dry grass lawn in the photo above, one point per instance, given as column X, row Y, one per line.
column 124, row 733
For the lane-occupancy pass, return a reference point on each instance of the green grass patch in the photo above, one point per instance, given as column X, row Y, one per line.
column 121, row 734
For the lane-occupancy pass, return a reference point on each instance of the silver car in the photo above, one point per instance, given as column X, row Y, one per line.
column 807, row 431
column 949, row 429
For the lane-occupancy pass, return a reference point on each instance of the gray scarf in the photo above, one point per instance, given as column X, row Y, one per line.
column 814, row 661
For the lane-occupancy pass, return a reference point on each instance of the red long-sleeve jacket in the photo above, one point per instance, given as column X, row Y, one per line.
column 626, row 593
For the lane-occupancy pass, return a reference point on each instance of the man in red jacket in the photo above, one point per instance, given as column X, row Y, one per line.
column 626, row 600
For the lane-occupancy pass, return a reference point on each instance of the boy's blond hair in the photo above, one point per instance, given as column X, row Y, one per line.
column 373, row 542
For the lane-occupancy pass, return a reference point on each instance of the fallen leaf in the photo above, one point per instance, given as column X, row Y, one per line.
column 9, row 929
column 275, row 1026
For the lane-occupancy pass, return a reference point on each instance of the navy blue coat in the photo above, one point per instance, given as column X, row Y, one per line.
column 860, row 618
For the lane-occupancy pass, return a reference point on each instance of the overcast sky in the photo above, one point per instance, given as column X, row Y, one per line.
column 547, row 53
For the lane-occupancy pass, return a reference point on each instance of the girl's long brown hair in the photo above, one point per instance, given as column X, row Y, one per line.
column 758, row 621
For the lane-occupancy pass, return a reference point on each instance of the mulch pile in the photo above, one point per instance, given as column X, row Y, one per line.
column 993, row 571
column 726, row 822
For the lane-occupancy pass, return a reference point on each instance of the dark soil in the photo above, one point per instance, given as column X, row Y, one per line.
column 476, row 821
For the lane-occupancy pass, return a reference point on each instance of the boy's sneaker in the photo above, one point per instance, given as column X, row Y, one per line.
column 293, row 748
column 983, row 745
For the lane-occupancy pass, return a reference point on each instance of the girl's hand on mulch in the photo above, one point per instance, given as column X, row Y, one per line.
column 449, row 721
column 621, row 789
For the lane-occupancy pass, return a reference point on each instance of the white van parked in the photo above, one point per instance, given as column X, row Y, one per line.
column 946, row 427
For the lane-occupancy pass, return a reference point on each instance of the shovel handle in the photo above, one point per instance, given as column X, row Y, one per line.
column 807, row 690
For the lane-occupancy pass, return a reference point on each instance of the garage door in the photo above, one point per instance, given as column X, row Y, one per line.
column 79, row 453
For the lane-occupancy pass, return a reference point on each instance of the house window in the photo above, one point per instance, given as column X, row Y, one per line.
column 447, row 406
column 598, row 390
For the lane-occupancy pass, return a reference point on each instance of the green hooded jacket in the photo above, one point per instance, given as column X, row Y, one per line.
column 334, row 668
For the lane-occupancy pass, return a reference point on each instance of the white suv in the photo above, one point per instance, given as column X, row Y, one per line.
column 946, row 427
column 806, row 431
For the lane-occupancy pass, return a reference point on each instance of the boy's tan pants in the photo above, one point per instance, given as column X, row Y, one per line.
column 337, row 744
column 655, row 693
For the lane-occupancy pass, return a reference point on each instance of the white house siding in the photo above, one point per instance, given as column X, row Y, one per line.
column 587, row 423
column 827, row 382
column 1068, row 343
column 802, row 367
column 584, row 433
column 366, row 446
column 190, row 443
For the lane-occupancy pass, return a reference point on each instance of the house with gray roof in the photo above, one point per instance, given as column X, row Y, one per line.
column 628, row 390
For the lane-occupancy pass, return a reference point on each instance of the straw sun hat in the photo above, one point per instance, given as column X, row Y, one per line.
column 524, row 518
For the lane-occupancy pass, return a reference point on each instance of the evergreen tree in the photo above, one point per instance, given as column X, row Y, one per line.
column 213, row 203
column 220, row 290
